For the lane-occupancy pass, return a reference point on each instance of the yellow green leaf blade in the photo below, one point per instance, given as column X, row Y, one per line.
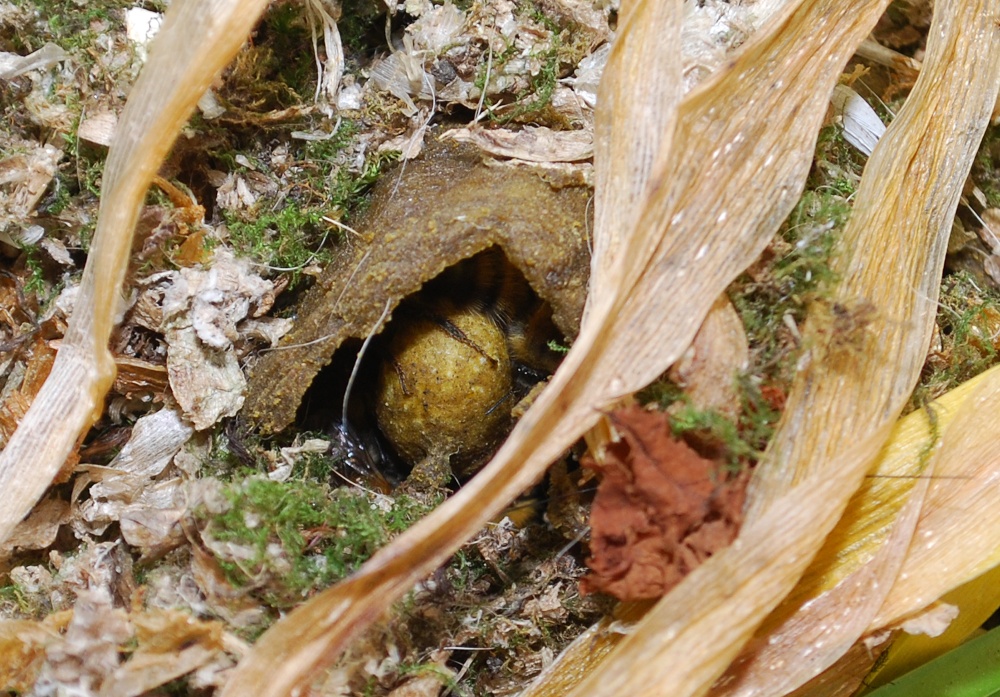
column 970, row 670
column 975, row 600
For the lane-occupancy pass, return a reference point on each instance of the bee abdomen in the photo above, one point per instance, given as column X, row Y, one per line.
column 456, row 360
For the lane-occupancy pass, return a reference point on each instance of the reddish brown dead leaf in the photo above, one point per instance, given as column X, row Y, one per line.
column 661, row 509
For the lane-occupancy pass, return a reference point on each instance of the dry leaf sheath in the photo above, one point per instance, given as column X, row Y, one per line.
column 892, row 256
column 942, row 552
column 896, row 240
column 744, row 142
column 197, row 40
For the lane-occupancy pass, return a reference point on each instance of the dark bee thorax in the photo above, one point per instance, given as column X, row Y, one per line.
column 492, row 285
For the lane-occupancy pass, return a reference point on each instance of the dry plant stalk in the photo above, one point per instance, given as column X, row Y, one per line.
column 854, row 386
column 694, row 216
column 956, row 539
column 197, row 40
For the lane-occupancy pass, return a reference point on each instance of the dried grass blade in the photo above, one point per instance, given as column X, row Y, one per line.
column 958, row 536
column 633, row 128
column 893, row 254
column 197, row 40
column 745, row 140
column 802, row 639
column 871, row 513
column 585, row 654
column 890, row 261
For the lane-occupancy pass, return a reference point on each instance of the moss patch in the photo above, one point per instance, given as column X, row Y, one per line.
column 285, row 540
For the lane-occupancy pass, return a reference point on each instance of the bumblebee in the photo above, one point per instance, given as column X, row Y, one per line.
column 452, row 364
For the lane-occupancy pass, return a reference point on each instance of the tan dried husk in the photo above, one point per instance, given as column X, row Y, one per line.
column 689, row 191
column 950, row 449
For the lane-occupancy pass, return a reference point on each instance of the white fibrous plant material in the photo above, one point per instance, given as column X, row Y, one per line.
column 861, row 125
column 200, row 312
column 127, row 480
column 330, row 72
column 13, row 65
column 24, row 178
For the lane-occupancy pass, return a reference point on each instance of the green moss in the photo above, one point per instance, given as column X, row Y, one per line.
column 662, row 392
column 89, row 173
column 541, row 86
column 796, row 273
column 466, row 569
column 290, row 44
column 278, row 69
column 296, row 537
column 294, row 229
column 57, row 201
column 428, row 668
column 345, row 188
column 743, row 440
column 837, row 165
column 968, row 323
column 557, row 347
column 812, row 230
column 14, row 602
column 69, row 23
column 180, row 687
column 283, row 239
column 361, row 25
column 564, row 49
column 35, row 284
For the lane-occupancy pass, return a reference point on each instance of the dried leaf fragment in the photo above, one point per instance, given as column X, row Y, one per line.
column 22, row 652
column 708, row 369
column 124, row 490
column 532, row 143
column 20, row 388
column 200, row 312
column 661, row 509
column 170, row 644
column 88, row 651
